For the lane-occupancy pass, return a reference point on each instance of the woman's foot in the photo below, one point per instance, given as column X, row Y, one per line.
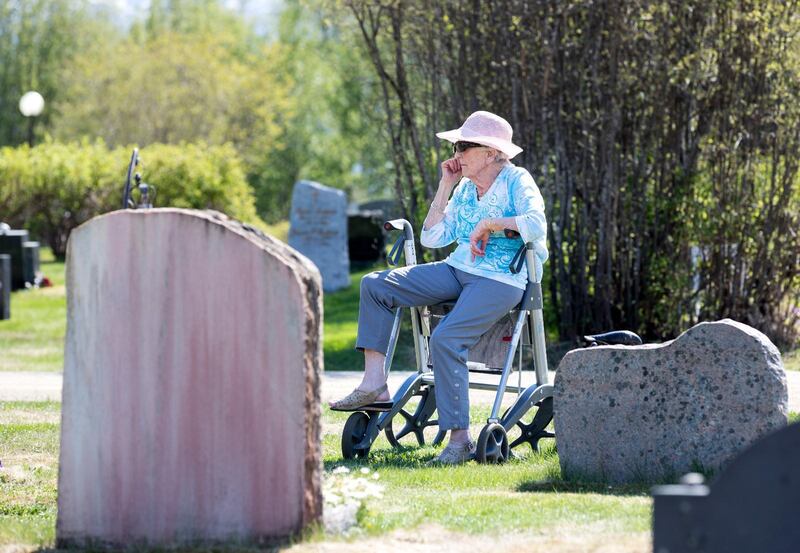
column 359, row 398
column 455, row 454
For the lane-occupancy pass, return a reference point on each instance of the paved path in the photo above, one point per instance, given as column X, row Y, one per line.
column 46, row 386
column 30, row 386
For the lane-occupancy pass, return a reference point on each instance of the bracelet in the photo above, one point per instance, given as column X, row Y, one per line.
column 437, row 207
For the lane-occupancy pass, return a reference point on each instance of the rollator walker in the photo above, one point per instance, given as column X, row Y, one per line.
column 365, row 424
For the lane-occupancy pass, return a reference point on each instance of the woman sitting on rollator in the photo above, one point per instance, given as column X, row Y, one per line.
column 491, row 194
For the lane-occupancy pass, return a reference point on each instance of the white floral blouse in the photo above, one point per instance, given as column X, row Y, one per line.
column 513, row 194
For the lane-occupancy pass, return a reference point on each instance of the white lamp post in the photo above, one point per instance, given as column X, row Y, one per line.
column 31, row 105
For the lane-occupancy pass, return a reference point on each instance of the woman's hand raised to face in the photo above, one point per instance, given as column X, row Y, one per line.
column 451, row 172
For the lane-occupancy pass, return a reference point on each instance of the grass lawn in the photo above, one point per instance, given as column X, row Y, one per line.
column 791, row 360
column 29, row 441
column 526, row 497
column 33, row 338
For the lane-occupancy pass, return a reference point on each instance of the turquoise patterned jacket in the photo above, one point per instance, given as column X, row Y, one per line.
column 513, row 194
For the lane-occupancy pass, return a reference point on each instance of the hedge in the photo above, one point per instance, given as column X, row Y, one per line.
column 53, row 187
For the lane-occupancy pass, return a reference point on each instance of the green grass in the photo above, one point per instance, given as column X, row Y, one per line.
column 29, row 437
column 526, row 495
column 33, row 338
column 340, row 320
column 791, row 360
column 279, row 230
column 340, row 313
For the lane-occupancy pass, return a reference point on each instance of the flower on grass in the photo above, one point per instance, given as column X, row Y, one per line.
column 345, row 495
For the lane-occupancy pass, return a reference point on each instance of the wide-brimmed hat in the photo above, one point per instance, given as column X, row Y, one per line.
column 486, row 129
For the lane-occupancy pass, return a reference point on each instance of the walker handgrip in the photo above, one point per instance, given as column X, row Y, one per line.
column 400, row 224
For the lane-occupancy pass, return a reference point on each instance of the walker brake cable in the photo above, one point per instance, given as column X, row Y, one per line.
column 396, row 252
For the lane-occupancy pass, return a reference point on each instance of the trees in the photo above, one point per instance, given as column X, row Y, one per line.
column 655, row 129
column 293, row 108
column 333, row 134
column 37, row 38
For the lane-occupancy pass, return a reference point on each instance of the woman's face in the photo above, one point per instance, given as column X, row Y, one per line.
column 474, row 160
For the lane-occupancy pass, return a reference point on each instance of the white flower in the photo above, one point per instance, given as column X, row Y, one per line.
column 341, row 470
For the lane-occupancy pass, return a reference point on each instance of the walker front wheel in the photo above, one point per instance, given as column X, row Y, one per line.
column 492, row 445
column 354, row 431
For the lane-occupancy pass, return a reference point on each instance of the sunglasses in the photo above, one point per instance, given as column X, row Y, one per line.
column 464, row 146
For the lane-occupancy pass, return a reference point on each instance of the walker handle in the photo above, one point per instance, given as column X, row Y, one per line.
column 400, row 224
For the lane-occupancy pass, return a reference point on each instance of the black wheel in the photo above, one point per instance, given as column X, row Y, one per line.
column 531, row 433
column 354, row 431
column 492, row 445
column 415, row 423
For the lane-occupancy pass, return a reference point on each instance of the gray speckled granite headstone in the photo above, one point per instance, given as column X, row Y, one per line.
column 318, row 230
column 632, row 413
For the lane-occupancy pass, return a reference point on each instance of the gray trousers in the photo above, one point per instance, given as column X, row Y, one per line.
column 480, row 302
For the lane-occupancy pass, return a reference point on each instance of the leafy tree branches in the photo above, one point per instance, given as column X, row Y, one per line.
column 663, row 134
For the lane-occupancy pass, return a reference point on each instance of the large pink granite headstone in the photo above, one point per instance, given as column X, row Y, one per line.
column 191, row 383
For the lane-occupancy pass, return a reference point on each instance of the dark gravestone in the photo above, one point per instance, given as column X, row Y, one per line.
column 12, row 243
column 365, row 236
column 5, row 286
column 751, row 507
column 30, row 263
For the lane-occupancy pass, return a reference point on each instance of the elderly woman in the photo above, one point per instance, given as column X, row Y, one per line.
column 489, row 194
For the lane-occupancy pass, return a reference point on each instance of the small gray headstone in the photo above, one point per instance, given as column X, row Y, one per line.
column 632, row 413
column 318, row 230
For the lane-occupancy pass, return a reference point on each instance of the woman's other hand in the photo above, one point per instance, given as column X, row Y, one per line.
column 479, row 238
column 451, row 172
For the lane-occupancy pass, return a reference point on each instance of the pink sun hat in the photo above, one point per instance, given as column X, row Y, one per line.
column 486, row 129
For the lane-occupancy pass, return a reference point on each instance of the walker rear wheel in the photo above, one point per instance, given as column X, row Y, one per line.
column 354, row 431
column 492, row 445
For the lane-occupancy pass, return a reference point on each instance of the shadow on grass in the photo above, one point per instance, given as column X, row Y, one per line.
column 415, row 458
column 639, row 486
column 601, row 488
column 404, row 457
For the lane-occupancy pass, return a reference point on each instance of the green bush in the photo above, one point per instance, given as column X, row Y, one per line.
column 201, row 177
column 54, row 187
